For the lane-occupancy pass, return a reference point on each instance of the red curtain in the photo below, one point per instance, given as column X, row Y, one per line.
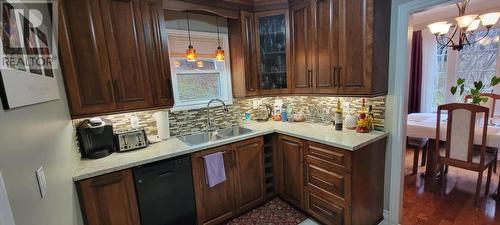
column 415, row 88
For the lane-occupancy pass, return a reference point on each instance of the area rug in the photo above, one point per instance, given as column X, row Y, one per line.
column 275, row 212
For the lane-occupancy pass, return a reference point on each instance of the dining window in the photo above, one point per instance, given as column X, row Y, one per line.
column 478, row 61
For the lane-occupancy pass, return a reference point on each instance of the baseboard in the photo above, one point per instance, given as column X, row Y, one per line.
column 386, row 220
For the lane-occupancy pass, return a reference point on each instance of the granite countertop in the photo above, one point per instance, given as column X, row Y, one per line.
column 345, row 139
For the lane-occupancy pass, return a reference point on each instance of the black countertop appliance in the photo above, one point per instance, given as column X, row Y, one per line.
column 95, row 138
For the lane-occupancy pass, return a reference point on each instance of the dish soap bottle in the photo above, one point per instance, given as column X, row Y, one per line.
column 338, row 116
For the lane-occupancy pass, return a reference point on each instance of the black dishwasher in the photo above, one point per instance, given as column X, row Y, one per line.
column 165, row 192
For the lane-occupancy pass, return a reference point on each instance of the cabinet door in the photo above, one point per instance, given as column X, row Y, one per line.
column 213, row 205
column 250, row 62
column 249, row 175
column 356, row 75
column 301, row 73
column 157, row 52
column 84, row 55
column 125, row 40
column 327, row 35
column 291, row 169
column 273, row 49
column 109, row 199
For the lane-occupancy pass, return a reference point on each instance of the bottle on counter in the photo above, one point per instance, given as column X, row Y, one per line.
column 371, row 118
column 363, row 126
column 284, row 114
column 338, row 116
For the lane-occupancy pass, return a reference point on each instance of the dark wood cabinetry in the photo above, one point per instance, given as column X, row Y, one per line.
column 272, row 51
column 366, row 34
column 108, row 54
column 214, row 205
column 243, row 189
column 109, row 199
column 301, row 40
column 341, row 185
column 327, row 15
column 291, row 170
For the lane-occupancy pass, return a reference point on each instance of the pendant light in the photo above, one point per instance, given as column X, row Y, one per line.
column 190, row 51
column 219, row 53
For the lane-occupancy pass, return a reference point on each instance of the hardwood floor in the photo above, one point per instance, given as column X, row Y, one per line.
column 453, row 204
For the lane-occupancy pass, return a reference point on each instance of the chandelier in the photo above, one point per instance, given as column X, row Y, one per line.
column 464, row 29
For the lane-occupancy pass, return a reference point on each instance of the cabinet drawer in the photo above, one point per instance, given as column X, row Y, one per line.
column 330, row 182
column 323, row 211
column 329, row 154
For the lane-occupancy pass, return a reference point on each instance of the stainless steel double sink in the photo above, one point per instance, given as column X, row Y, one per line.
column 208, row 136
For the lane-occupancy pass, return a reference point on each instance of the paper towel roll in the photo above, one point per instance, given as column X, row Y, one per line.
column 162, row 124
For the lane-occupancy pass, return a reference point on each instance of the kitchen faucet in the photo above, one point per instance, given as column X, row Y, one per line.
column 209, row 123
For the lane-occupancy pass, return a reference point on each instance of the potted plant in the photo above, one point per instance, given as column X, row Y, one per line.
column 475, row 91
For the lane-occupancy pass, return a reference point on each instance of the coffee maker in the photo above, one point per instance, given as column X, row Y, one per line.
column 95, row 138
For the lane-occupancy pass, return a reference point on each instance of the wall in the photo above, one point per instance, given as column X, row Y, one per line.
column 191, row 121
column 34, row 136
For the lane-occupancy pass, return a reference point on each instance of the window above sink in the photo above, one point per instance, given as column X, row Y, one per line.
column 194, row 83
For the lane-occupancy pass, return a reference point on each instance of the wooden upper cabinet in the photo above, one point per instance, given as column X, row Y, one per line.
column 85, row 60
column 113, row 55
column 327, row 38
column 367, row 33
column 214, row 205
column 301, row 72
column 273, row 51
column 109, row 199
column 291, row 170
column 125, row 40
column 157, row 52
column 250, row 179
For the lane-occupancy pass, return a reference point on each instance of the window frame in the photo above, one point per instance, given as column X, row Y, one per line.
column 226, row 94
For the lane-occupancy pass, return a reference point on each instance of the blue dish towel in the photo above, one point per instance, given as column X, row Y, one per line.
column 215, row 172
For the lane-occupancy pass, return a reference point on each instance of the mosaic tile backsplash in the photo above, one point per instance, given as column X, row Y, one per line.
column 191, row 121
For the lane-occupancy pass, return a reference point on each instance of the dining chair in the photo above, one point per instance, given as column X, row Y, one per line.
column 458, row 150
column 491, row 103
column 417, row 144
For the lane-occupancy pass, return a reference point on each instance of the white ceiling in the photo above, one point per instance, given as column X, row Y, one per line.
column 450, row 11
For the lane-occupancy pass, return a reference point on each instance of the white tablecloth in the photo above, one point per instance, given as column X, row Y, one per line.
column 423, row 125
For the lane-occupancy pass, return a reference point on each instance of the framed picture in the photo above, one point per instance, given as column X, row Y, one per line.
column 27, row 48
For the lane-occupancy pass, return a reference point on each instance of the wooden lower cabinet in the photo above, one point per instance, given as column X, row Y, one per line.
column 345, row 187
column 291, row 170
column 109, row 199
column 243, row 189
column 213, row 205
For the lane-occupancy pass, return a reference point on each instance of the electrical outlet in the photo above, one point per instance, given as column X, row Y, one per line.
column 42, row 183
column 255, row 104
column 6, row 217
column 134, row 122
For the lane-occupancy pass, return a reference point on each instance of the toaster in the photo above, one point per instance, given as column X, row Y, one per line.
column 131, row 140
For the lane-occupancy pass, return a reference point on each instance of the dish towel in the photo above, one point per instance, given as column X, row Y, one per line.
column 215, row 172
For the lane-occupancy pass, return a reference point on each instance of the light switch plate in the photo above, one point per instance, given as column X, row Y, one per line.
column 6, row 217
column 42, row 183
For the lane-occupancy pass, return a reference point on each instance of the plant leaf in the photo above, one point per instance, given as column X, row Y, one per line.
column 495, row 80
column 462, row 88
column 478, row 85
column 460, row 81
column 484, row 100
column 453, row 90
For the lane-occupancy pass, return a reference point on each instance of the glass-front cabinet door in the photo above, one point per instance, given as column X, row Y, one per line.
column 273, row 51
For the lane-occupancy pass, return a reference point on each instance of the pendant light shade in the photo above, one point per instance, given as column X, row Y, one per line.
column 190, row 51
column 219, row 53
column 191, row 54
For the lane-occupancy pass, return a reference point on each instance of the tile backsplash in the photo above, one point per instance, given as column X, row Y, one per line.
column 191, row 121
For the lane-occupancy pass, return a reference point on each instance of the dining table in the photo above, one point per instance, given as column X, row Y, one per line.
column 423, row 125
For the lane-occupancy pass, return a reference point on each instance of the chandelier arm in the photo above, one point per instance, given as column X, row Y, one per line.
column 477, row 40
column 450, row 40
